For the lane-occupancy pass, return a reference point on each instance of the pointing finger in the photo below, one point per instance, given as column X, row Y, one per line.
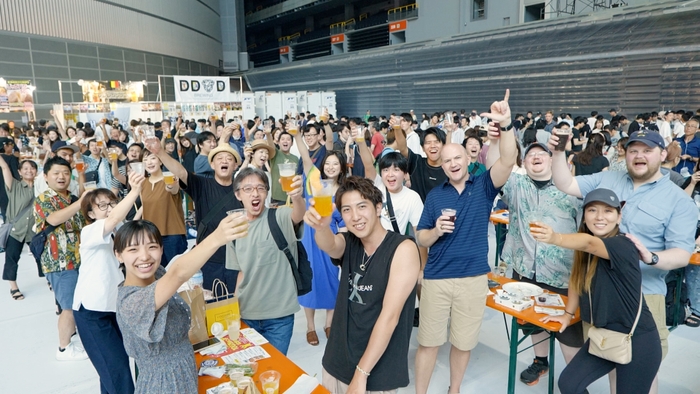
column 507, row 95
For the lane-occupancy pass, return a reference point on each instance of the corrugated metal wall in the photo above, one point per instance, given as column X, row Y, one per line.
column 180, row 28
column 644, row 60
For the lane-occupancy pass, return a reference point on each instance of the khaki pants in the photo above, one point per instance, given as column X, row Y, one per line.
column 335, row 386
column 459, row 303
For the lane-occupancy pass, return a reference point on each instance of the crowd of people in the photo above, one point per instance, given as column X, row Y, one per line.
column 103, row 208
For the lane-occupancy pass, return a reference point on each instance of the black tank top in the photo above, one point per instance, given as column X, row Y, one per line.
column 357, row 308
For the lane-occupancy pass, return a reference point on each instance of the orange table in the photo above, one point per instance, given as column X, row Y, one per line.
column 520, row 318
column 695, row 259
column 500, row 217
column 277, row 361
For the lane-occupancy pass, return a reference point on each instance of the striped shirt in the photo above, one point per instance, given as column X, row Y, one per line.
column 464, row 252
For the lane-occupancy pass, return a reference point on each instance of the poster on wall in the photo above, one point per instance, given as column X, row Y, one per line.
column 16, row 96
column 190, row 89
column 111, row 91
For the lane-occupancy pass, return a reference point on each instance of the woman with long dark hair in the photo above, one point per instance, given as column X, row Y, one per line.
column 606, row 282
column 591, row 160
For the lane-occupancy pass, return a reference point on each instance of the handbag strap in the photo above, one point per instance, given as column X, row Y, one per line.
column 392, row 216
column 213, row 211
column 282, row 244
column 21, row 213
column 639, row 311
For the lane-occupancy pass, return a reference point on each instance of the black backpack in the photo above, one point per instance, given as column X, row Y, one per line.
column 301, row 271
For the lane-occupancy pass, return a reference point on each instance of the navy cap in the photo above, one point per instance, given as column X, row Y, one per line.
column 651, row 138
column 63, row 145
column 537, row 144
column 606, row 196
column 117, row 144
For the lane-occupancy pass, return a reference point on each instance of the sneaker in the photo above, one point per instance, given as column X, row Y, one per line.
column 531, row 376
column 71, row 353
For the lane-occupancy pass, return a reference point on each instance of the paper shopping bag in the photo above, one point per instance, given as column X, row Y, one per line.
column 198, row 324
column 223, row 304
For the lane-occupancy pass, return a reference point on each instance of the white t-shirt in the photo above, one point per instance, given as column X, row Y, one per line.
column 678, row 129
column 458, row 136
column 665, row 131
column 99, row 275
column 413, row 143
column 407, row 206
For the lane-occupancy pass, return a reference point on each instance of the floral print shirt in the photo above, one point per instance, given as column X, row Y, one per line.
column 546, row 263
column 61, row 252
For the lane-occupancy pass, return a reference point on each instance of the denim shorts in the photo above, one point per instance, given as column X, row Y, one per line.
column 63, row 284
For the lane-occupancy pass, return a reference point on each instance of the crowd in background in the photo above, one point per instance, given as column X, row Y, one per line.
column 591, row 184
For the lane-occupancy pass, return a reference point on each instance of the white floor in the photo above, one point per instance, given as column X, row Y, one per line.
column 29, row 338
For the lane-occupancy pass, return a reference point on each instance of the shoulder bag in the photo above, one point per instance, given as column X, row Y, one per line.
column 6, row 228
column 612, row 345
column 390, row 208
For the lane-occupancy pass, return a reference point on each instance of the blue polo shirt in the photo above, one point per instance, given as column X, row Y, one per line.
column 464, row 252
column 691, row 148
column 660, row 214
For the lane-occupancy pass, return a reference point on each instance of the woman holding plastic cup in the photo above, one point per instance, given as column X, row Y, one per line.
column 320, row 190
column 153, row 319
column 162, row 205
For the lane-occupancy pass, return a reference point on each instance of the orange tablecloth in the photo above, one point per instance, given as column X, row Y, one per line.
column 695, row 259
column 500, row 217
column 528, row 315
column 277, row 361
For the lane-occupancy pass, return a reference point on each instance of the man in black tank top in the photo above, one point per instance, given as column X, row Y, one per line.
column 367, row 348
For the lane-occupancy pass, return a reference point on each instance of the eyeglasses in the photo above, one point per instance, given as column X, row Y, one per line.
column 537, row 154
column 310, row 135
column 103, row 206
column 248, row 189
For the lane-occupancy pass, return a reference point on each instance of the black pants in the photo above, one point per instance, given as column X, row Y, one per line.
column 104, row 345
column 13, row 251
column 635, row 377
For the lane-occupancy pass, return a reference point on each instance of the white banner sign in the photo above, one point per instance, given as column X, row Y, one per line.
column 190, row 89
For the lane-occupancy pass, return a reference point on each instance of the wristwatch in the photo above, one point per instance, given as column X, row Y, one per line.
column 508, row 128
column 654, row 259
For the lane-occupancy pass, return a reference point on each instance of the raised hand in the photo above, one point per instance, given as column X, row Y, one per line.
column 500, row 111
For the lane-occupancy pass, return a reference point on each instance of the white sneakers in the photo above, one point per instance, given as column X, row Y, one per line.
column 72, row 352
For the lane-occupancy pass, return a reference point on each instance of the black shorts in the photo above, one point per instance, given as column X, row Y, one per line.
column 573, row 335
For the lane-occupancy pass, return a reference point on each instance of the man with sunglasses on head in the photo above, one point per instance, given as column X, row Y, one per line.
column 655, row 215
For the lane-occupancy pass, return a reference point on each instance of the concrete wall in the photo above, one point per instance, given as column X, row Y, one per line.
column 181, row 28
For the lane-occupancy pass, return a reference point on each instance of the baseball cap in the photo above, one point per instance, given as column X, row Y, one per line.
column 606, row 196
column 537, row 144
column 63, row 145
column 118, row 144
column 651, row 138
column 224, row 148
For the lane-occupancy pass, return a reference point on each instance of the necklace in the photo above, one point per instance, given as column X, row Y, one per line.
column 365, row 263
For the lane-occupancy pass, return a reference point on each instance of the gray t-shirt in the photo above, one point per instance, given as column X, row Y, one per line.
column 268, row 290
